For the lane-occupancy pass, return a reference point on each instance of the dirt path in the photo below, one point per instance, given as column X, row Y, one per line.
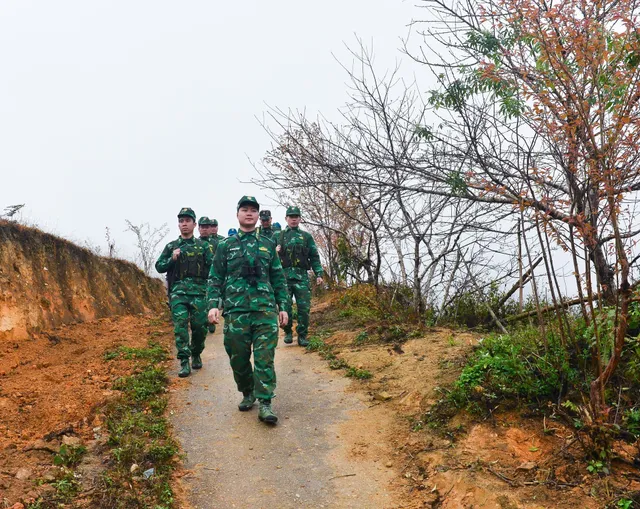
column 307, row 460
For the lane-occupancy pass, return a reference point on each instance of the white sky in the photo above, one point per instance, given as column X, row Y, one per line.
column 119, row 110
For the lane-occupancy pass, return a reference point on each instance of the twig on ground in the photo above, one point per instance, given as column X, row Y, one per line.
column 340, row 476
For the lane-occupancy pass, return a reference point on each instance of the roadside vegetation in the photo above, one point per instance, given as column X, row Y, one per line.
column 142, row 452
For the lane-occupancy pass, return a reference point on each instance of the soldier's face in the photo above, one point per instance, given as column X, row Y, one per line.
column 214, row 230
column 247, row 216
column 293, row 221
column 186, row 225
column 203, row 230
column 266, row 223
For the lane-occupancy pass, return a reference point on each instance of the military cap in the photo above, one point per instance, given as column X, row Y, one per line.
column 276, row 226
column 293, row 211
column 231, row 232
column 265, row 215
column 248, row 200
column 214, row 222
column 205, row 221
column 187, row 212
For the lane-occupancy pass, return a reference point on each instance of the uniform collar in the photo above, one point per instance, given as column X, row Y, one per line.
column 242, row 233
column 188, row 241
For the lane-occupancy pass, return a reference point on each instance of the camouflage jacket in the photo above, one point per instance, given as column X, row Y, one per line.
column 214, row 240
column 299, row 254
column 247, row 273
column 266, row 232
column 189, row 272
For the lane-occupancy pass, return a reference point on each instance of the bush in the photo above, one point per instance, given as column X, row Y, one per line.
column 515, row 367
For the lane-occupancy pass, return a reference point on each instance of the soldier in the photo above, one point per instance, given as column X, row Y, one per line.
column 298, row 253
column 214, row 238
column 265, row 228
column 189, row 259
column 246, row 271
column 205, row 228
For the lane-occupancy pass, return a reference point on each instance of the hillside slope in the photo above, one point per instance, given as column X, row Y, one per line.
column 46, row 281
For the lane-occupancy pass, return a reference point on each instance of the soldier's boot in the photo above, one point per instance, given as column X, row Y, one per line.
column 303, row 341
column 196, row 362
column 185, row 369
column 247, row 402
column 265, row 414
column 288, row 337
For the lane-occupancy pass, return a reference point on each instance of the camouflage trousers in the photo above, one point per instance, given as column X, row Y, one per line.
column 302, row 293
column 189, row 310
column 257, row 331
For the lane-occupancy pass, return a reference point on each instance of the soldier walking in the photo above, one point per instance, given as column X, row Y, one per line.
column 208, row 229
column 265, row 228
column 247, row 273
column 189, row 260
column 299, row 254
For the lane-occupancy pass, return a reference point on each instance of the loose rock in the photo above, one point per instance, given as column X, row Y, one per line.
column 23, row 474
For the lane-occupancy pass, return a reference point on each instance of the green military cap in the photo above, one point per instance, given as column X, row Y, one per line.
column 214, row 222
column 205, row 221
column 265, row 215
column 248, row 200
column 293, row 211
column 187, row 212
column 276, row 226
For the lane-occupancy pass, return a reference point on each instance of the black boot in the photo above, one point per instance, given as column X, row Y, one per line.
column 185, row 369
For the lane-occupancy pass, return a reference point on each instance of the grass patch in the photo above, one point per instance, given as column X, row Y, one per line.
column 517, row 368
column 154, row 353
column 139, row 434
column 360, row 374
column 317, row 344
column 69, row 456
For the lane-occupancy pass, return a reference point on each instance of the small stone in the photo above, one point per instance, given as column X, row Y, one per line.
column 527, row 466
column 23, row 474
column 71, row 441
column 388, row 464
column 383, row 396
column 17, row 505
column 134, row 467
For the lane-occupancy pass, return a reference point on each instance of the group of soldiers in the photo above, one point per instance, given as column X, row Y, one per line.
column 251, row 278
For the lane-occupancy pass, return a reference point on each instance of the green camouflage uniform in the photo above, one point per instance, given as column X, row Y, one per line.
column 188, row 293
column 268, row 233
column 247, row 272
column 299, row 254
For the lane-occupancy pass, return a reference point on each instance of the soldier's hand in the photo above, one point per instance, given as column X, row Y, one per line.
column 319, row 281
column 175, row 254
column 284, row 318
column 278, row 248
column 214, row 315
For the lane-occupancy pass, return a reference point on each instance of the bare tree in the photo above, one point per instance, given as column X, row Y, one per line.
column 370, row 171
column 147, row 241
column 111, row 243
column 12, row 210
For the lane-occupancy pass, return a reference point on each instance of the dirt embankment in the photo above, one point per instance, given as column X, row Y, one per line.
column 46, row 281
column 510, row 460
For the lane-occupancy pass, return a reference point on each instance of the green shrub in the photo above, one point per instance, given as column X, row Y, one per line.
column 515, row 367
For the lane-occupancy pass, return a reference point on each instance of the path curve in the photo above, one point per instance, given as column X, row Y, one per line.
column 238, row 462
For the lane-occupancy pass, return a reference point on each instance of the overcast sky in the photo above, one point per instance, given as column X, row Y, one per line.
column 119, row 110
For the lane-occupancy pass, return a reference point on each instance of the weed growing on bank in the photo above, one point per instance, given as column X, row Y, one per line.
column 142, row 451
